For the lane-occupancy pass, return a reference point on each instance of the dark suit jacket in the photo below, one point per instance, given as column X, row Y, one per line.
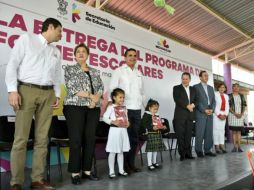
column 181, row 100
column 202, row 100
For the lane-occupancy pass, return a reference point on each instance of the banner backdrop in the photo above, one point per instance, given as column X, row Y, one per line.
column 160, row 59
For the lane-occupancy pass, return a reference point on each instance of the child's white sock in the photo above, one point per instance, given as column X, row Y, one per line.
column 154, row 157
column 111, row 162
column 120, row 162
column 149, row 158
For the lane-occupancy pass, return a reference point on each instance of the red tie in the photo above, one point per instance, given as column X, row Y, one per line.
column 223, row 102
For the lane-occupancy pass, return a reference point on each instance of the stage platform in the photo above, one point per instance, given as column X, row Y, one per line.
column 202, row 173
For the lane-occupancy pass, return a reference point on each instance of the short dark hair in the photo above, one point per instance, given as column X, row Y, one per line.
column 128, row 50
column 81, row 45
column 49, row 21
column 115, row 92
column 151, row 103
column 187, row 74
column 222, row 84
column 201, row 73
column 235, row 84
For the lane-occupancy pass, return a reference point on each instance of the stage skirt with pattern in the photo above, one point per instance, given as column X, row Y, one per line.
column 155, row 142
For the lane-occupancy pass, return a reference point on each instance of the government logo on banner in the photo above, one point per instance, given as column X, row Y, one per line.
column 99, row 21
column 162, row 45
column 62, row 8
column 75, row 13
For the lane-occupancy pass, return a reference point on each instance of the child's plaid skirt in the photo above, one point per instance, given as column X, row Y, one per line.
column 155, row 142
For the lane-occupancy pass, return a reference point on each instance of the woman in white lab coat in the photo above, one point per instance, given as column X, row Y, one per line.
column 219, row 118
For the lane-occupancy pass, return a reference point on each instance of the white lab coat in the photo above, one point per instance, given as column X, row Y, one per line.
column 218, row 124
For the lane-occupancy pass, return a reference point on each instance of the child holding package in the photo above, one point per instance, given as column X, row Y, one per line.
column 151, row 123
column 118, row 140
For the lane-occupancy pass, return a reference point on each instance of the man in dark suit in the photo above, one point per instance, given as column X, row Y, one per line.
column 185, row 101
column 204, row 116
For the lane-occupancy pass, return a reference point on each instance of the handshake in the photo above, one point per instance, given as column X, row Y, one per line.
column 190, row 107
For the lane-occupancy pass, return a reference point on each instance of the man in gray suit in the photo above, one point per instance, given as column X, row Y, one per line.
column 204, row 116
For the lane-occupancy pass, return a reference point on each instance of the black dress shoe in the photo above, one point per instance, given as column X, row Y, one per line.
column 157, row 166
column 90, row 177
column 151, row 168
column 135, row 170
column 223, row 151
column 210, row 154
column 189, row 157
column 124, row 174
column 200, row 154
column 112, row 176
column 76, row 180
column 181, row 158
column 127, row 169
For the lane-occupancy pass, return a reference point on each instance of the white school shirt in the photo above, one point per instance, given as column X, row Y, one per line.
column 131, row 81
column 34, row 61
column 187, row 90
